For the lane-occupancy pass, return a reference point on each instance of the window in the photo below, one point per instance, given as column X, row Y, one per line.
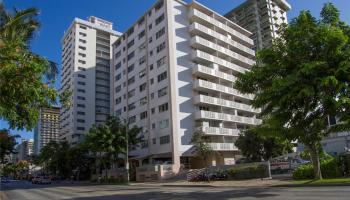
column 151, row 67
column 80, row 113
column 143, row 101
column 153, row 110
column 144, row 144
column 150, row 39
column 153, row 125
column 152, row 95
column 131, row 106
column 81, row 98
column 161, row 62
column 130, row 31
column 81, row 105
column 151, row 81
column 118, row 88
column 130, row 68
column 143, row 33
column 82, row 55
column 118, row 100
column 142, row 73
column 118, row 65
column 160, row 33
column 142, row 46
column 164, row 139
column 143, row 115
column 150, row 26
column 164, row 123
column 80, row 128
column 81, row 90
column 143, row 87
column 81, row 61
column 81, row 120
column 160, row 47
column 118, row 77
column 82, row 41
column 154, row 140
column 131, row 93
column 82, row 27
column 130, row 43
column 162, row 76
column 132, row 119
column 142, row 60
column 151, row 53
column 81, row 68
column 81, row 76
column 118, row 54
column 81, row 47
column 81, row 83
column 158, row 6
column 131, row 55
column 82, row 34
column 131, row 80
column 159, row 19
column 163, row 107
column 162, row 92
column 118, row 112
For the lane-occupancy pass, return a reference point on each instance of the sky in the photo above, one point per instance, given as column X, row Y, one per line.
column 56, row 16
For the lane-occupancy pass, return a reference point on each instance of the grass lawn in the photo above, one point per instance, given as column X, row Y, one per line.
column 323, row 181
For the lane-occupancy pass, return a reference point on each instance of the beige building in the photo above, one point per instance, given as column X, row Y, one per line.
column 262, row 18
column 86, row 55
column 173, row 74
column 47, row 129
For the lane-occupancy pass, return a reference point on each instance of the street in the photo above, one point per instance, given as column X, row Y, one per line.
column 26, row 191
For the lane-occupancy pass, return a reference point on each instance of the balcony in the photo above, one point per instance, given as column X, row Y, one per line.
column 201, row 55
column 226, row 117
column 199, row 42
column 202, row 99
column 220, row 131
column 223, row 146
column 239, row 36
column 207, row 71
column 206, row 86
column 200, row 29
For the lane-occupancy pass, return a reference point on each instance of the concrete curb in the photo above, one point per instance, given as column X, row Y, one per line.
column 313, row 185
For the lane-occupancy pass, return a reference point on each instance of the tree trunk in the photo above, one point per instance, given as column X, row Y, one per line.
column 315, row 159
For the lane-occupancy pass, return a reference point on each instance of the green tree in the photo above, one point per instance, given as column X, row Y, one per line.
column 201, row 146
column 7, row 144
column 26, row 79
column 257, row 147
column 302, row 79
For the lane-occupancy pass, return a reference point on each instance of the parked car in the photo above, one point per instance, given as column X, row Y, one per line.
column 41, row 180
column 4, row 180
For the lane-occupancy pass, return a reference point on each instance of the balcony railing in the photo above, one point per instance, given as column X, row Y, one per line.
column 207, row 44
column 220, row 25
column 225, row 103
column 226, row 117
column 223, row 146
column 211, row 72
column 223, row 38
column 219, row 131
column 201, row 84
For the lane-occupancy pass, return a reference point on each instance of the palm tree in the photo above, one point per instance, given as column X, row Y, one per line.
column 26, row 78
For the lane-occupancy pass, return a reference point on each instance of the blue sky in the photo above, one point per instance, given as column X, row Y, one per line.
column 56, row 16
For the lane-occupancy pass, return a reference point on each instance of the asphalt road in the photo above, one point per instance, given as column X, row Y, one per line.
column 25, row 191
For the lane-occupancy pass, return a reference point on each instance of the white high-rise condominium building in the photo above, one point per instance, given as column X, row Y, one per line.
column 24, row 150
column 86, row 55
column 261, row 17
column 47, row 129
column 173, row 73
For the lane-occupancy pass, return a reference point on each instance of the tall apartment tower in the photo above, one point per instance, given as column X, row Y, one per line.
column 86, row 55
column 24, row 150
column 174, row 73
column 261, row 17
column 47, row 129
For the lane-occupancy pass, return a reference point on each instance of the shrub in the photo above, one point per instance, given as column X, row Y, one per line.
column 330, row 168
column 247, row 172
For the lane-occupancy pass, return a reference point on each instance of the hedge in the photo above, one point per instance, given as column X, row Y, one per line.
column 247, row 172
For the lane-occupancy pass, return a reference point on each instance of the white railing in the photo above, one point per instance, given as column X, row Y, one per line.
column 248, row 62
column 219, row 131
column 209, row 71
column 223, row 38
column 220, row 88
column 223, row 146
column 224, row 103
column 202, row 114
column 217, row 60
column 218, row 24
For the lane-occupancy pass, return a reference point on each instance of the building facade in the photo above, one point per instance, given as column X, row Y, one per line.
column 47, row 128
column 261, row 17
column 86, row 55
column 23, row 150
column 173, row 74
